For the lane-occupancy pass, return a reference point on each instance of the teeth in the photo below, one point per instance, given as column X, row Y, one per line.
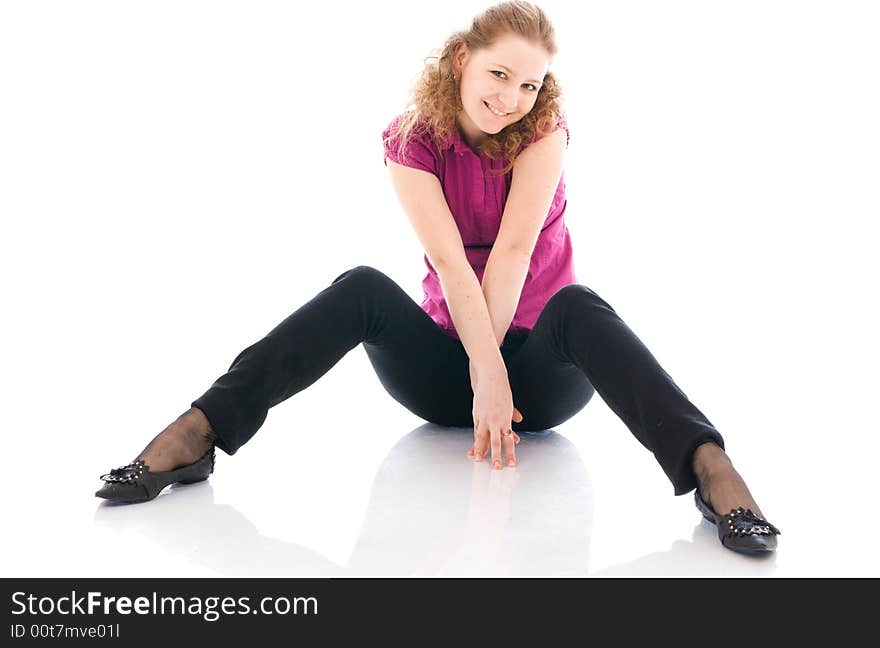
column 500, row 114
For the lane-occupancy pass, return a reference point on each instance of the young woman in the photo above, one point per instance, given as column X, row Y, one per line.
column 505, row 340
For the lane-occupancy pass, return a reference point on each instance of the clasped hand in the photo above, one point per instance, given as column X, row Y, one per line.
column 493, row 412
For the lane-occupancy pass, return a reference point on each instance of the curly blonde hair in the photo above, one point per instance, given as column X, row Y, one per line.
column 436, row 97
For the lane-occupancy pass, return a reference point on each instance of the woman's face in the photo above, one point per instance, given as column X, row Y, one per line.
column 506, row 76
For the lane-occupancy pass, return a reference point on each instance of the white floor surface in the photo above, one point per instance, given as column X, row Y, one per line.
column 376, row 492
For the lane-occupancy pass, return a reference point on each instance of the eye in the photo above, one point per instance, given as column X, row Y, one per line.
column 531, row 85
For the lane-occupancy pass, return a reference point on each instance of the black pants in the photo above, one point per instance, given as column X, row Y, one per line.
column 578, row 345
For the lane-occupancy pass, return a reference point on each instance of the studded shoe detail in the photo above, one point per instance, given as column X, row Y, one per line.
column 740, row 530
column 135, row 482
column 126, row 474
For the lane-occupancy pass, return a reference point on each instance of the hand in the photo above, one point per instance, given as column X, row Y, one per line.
column 493, row 411
column 517, row 416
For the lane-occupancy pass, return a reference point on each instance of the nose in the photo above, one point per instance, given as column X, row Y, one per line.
column 508, row 100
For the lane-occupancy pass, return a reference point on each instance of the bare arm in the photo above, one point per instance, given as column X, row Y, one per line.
column 470, row 315
column 421, row 196
column 503, row 282
column 536, row 174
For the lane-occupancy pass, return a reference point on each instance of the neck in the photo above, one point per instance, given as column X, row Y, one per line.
column 473, row 142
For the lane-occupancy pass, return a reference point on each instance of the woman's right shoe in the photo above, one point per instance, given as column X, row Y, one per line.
column 740, row 530
column 135, row 482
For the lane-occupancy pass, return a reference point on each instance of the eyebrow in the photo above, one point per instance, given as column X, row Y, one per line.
column 512, row 72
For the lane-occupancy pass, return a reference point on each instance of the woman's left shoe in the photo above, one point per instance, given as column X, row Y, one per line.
column 740, row 530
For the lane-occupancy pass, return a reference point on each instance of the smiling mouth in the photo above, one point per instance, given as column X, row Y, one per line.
column 493, row 112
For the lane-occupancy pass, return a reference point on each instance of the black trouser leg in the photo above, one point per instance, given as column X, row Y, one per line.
column 417, row 362
column 580, row 333
column 579, row 345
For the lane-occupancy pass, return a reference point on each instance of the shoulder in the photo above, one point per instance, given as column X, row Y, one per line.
column 416, row 149
column 419, row 130
column 561, row 125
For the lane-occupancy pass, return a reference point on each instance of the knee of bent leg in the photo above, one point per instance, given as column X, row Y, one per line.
column 577, row 299
column 363, row 274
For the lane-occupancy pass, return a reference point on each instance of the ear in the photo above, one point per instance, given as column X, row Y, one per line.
column 460, row 57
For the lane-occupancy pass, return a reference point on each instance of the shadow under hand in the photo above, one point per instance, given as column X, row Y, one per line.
column 433, row 511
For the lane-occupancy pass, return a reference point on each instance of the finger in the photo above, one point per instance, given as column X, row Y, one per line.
column 517, row 415
column 509, row 449
column 496, row 449
column 473, row 451
column 482, row 442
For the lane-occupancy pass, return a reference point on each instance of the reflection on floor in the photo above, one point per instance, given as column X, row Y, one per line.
column 426, row 510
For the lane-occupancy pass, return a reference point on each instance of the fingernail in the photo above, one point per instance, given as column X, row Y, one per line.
column 497, row 464
column 511, row 463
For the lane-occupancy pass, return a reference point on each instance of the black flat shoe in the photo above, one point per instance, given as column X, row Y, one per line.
column 740, row 530
column 136, row 483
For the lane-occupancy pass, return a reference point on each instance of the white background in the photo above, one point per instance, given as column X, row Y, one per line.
column 176, row 177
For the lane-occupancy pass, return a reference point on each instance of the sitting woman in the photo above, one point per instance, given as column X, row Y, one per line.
column 505, row 339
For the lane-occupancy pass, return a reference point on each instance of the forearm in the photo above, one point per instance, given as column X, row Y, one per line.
column 503, row 282
column 467, row 306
